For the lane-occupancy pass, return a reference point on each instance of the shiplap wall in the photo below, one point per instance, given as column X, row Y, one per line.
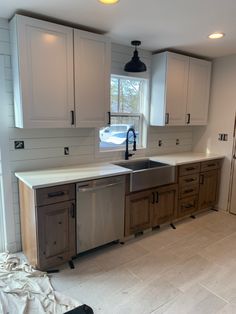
column 45, row 148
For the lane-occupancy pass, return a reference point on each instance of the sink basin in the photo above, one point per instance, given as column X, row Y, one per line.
column 148, row 174
column 136, row 165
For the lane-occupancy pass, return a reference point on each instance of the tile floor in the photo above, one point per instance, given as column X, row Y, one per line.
column 188, row 270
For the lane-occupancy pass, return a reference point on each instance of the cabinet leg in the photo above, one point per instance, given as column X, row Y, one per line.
column 193, row 217
column 172, row 226
column 71, row 264
column 53, row 271
column 214, row 209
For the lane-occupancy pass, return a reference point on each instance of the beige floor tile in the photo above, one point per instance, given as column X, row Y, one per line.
column 143, row 299
column 153, row 264
column 222, row 252
column 189, row 272
column 227, row 309
column 118, row 255
column 196, row 300
column 98, row 289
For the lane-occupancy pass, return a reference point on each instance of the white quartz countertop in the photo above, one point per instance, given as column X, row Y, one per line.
column 63, row 175
column 185, row 158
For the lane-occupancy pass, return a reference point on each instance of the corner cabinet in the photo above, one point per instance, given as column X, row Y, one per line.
column 61, row 75
column 180, row 90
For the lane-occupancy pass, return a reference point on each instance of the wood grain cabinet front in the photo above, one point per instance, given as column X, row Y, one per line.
column 208, row 192
column 48, row 222
column 164, row 204
column 137, row 212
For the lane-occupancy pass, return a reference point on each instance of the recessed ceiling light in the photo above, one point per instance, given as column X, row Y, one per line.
column 109, row 1
column 216, row 35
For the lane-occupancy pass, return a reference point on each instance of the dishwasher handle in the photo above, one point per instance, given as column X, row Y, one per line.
column 96, row 188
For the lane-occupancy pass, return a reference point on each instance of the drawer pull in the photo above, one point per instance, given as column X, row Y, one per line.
column 211, row 165
column 167, row 118
column 60, row 257
column 56, row 194
column 189, row 180
column 190, row 168
column 189, row 191
column 188, row 206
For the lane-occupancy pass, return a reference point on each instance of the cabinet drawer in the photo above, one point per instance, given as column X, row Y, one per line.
column 186, row 180
column 210, row 165
column 55, row 194
column 189, row 169
column 191, row 189
column 187, row 206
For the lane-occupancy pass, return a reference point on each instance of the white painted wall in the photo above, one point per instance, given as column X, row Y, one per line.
column 45, row 148
column 221, row 119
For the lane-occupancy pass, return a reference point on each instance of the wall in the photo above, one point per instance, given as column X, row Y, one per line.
column 45, row 148
column 221, row 120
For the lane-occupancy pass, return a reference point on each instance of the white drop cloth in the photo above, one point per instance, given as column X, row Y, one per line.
column 24, row 290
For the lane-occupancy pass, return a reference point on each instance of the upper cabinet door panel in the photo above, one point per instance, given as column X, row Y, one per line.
column 176, row 88
column 92, row 55
column 198, row 91
column 44, row 67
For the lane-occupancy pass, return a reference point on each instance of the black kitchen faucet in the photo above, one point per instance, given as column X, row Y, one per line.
column 127, row 154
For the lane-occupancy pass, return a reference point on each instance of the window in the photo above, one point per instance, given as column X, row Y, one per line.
column 127, row 107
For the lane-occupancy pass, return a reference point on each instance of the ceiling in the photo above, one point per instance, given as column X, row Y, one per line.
column 159, row 24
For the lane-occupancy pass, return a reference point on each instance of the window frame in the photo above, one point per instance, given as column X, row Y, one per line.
column 141, row 115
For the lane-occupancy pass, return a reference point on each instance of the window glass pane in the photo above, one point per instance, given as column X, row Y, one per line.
column 114, row 94
column 115, row 135
column 130, row 95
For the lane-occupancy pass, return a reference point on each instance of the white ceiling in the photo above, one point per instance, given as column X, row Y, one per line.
column 159, row 24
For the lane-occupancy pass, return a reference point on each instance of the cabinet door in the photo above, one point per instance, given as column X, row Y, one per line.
column 56, row 233
column 164, row 201
column 208, row 192
column 198, row 91
column 176, row 88
column 42, row 59
column 137, row 212
column 92, row 55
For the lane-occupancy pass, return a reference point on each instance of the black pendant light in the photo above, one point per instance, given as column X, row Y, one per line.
column 135, row 65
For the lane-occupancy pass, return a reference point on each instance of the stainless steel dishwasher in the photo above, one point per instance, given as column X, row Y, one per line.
column 100, row 212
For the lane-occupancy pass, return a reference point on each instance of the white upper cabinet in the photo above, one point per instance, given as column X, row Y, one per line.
column 176, row 88
column 180, row 90
column 42, row 58
column 92, row 55
column 198, row 91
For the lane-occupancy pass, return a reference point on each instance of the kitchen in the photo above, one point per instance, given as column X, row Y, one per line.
column 46, row 147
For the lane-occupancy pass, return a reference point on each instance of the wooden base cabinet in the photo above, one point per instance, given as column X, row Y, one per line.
column 150, row 208
column 164, row 204
column 198, row 186
column 48, row 224
column 208, row 191
column 56, row 225
column 137, row 212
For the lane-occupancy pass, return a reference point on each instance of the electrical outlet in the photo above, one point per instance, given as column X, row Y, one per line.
column 66, row 151
column 159, row 143
column 223, row 137
column 19, row 144
column 177, row 142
